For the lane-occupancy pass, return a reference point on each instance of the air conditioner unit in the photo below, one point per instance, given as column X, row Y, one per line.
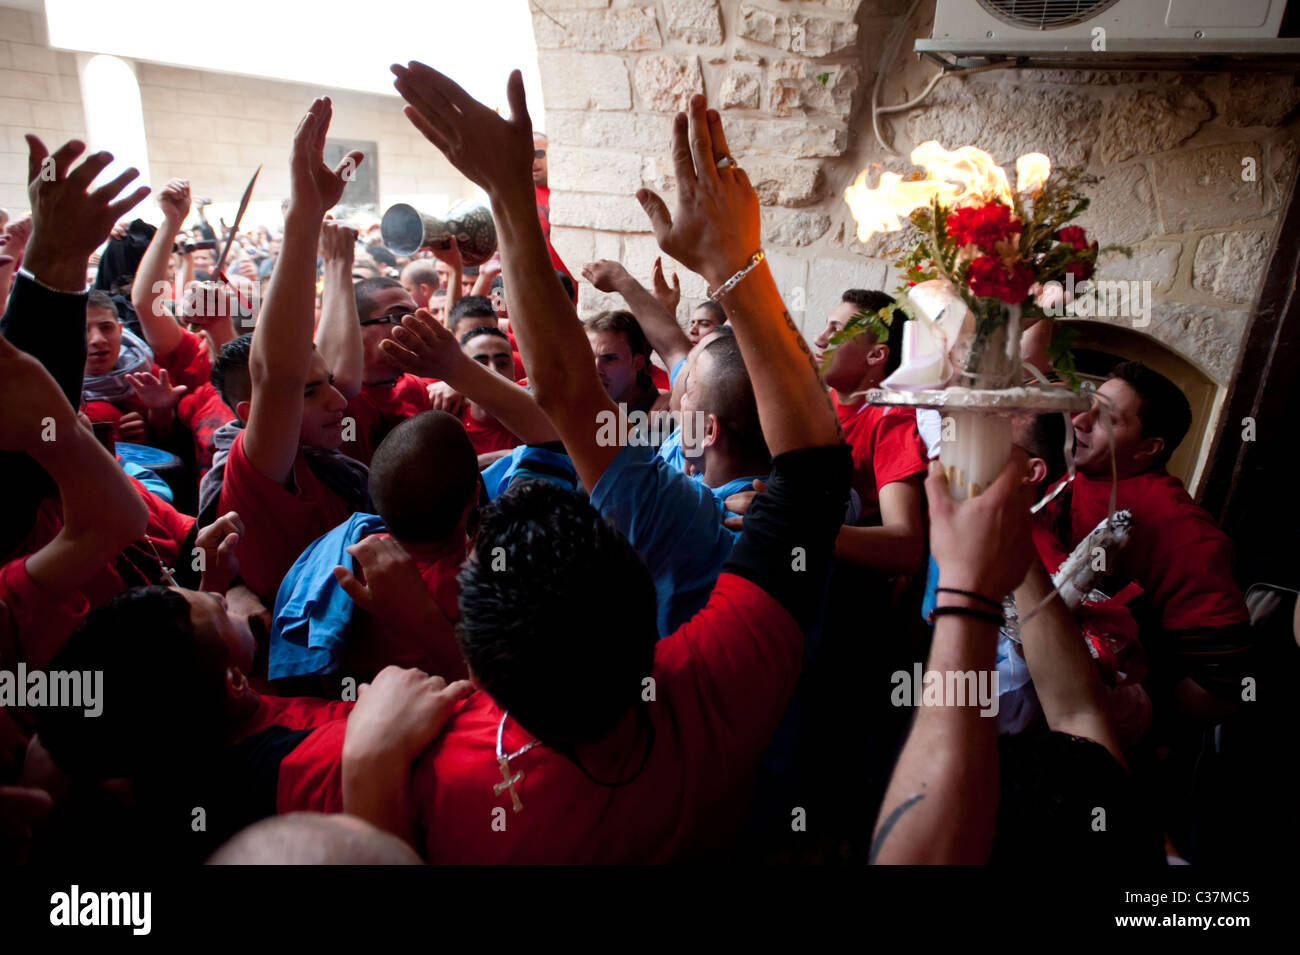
column 1092, row 31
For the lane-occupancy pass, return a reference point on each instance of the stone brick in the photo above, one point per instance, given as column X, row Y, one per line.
column 34, row 59
column 1202, row 188
column 631, row 132
column 665, row 84
column 1230, row 265
column 694, row 21
column 827, row 280
column 1280, row 159
column 18, row 26
column 1257, row 99
column 798, row 84
column 576, row 246
column 740, row 90
column 594, row 170
column 594, row 211
column 1155, row 262
column 993, row 117
column 795, row 140
column 796, row 229
column 790, row 272
column 1123, row 210
column 1142, row 122
column 784, row 183
column 630, row 29
column 584, row 81
column 812, row 36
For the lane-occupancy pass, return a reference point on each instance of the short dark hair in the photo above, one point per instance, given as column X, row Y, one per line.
column 382, row 254
column 622, row 322
column 1163, row 408
column 713, row 308
column 730, row 395
column 98, row 298
column 165, row 688
column 566, row 281
column 230, row 374
column 366, row 291
column 482, row 330
column 871, row 300
column 1042, row 436
column 574, row 606
column 422, row 477
column 424, row 272
column 471, row 306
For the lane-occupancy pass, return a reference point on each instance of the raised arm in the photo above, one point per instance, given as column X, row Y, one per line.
column 282, row 346
column 102, row 513
column 496, row 153
column 659, row 324
column 715, row 231
column 338, row 336
column 1064, row 675
column 424, row 347
column 942, row 800
column 159, row 326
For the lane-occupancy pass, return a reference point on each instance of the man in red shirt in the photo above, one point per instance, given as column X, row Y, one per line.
column 285, row 500
column 490, row 347
column 579, row 747
column 1192, row 617
column 387, row 396
column 889, row 459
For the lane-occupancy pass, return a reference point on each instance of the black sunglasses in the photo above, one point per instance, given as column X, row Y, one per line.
column 390, row 319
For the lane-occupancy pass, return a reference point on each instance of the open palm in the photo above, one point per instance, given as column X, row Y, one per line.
column 315, row 185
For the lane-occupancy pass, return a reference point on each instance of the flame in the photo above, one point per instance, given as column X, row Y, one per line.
column 1032, row 170
column 954, row 177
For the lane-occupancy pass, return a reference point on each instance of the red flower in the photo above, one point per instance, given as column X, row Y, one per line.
column 1080, row 268
column 1074, row 235
column 985, row 225
column 990, row 277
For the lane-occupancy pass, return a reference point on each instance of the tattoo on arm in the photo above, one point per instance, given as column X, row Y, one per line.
column 812, row 363
column 890, row 821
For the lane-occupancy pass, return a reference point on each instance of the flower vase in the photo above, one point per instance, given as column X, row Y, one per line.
column 975, row 445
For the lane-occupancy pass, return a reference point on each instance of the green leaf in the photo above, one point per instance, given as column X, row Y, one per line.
column 823, row 78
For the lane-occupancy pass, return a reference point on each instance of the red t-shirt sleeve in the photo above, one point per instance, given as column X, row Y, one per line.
column 278, row 524
column 189, row 363
column 899, row 451
column 33, row 623
column 733, row 667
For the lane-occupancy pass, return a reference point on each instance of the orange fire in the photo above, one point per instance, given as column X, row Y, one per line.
column 961, row 175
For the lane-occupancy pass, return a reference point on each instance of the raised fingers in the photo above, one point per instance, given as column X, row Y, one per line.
column 706, row 167
column 717, row 136
column 683, row 167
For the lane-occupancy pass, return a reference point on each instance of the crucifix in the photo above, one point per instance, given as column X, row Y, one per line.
column 509, row 782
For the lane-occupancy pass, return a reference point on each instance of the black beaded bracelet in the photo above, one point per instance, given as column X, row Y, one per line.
column 996, row 604
column 994, row 618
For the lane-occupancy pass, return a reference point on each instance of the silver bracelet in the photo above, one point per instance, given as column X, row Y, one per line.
column 27, row 274
column 732, row 282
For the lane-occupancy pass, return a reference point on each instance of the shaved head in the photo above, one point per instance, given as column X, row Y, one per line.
column 311, row 838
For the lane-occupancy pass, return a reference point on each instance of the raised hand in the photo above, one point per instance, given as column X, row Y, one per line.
column 218, row 541
column 451, row 255
column 490, row 150
column 715, row 228
column 338, row 242
column 174, row 200
column 314, row 187
column 423, row 346
column 17, row 233
column 606, row 274
column 667, row 297
column 982, row 544
column 132, row 428
column 69, row 220
column 156, row 391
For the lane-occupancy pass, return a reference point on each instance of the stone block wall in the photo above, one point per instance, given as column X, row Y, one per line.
column 1194, row 167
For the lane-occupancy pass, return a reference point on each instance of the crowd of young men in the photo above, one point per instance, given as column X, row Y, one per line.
column 380, row 556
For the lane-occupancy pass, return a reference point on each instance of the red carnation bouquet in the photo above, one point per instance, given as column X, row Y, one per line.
column 998, row 255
